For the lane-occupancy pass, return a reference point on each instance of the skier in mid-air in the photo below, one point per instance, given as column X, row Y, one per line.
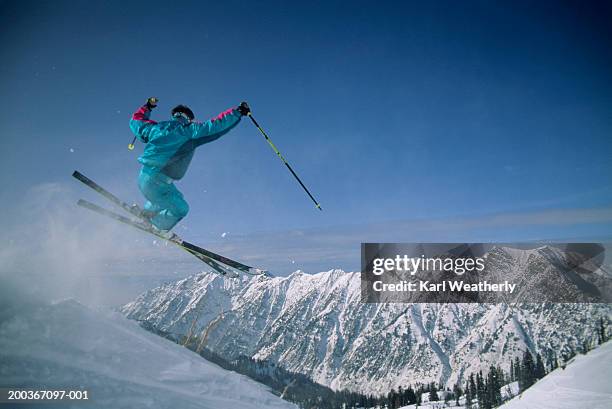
column 170, row 146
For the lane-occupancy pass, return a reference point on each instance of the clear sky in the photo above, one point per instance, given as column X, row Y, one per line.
column 407, row 120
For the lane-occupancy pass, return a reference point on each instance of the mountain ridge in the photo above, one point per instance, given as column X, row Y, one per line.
column 316, row 325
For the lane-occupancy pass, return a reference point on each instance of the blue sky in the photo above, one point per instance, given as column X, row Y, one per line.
column 392, row 113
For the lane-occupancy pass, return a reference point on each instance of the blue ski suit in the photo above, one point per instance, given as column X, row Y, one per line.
column 169, row 150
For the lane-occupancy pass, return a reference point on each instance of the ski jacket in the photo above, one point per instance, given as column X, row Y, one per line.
column 171, row 144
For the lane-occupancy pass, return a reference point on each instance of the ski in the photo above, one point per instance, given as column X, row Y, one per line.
column 108, row 195
column 224, row 271
column 133, row 210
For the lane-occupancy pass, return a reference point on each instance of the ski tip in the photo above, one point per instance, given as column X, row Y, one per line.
column 318, row 206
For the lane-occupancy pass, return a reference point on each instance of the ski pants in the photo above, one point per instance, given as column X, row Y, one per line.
column 164, row 200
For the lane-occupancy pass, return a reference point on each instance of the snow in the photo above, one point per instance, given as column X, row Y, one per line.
column 584, row 383
column 440, row 404
column 67, row 345
column 510, row 390
column 441, row 395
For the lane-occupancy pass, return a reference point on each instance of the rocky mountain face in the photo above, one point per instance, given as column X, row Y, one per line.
column 316, row 325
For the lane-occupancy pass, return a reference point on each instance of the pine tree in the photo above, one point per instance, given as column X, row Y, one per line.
column 433, row 393
column 472, row 386
column 390, row 399
column 540, row 370
column 571, row 353
column 503, row 377
column 410, row 396
column 517, row 369
column 480, row 391
column 494, row 384
column 399, row 398
column 550, row 361
column 527, row 371
column 458, row 392
column 585, row 347
column 447, row 397
column 468, row 392
column 603, row 337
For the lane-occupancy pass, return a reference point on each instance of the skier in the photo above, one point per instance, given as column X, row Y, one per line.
column 169, row 150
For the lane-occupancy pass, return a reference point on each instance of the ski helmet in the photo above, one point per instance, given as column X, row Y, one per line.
column 183, row 110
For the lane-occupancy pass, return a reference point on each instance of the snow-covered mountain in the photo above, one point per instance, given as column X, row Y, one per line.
column 316, row 325
column 550, row 273
column 69, row 346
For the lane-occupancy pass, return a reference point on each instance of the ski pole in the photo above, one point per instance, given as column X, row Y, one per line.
column 275, row 149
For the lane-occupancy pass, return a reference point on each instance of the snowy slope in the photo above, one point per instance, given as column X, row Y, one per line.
column 123, row 366
column 316, row 325
column 586, row 382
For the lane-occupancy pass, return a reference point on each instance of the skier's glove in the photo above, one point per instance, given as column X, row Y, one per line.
column 152, row 103
column 244, row 109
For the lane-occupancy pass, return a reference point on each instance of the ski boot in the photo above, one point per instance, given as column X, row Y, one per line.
column 141, row 213
column 145, row 217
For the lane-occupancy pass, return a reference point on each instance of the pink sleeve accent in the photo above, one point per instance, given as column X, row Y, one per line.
column 142, row 114
column 223, row 114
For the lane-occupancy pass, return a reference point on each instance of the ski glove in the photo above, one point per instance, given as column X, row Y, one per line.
column 152, row 102
column 244, row 109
